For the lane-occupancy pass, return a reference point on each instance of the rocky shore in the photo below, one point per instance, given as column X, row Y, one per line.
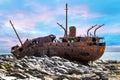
column 56, row 68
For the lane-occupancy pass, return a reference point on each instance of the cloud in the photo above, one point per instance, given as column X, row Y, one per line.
column 7, row 41
column 84, row 11
column 1, row 13
column 30, row 19
column 113, row 48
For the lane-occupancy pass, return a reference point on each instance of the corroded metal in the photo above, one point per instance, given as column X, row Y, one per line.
column 90, row 29
column 66, row 20
column 98, row 28
column 63, row 29
column 72, row 47
column 72, row 31
column 16, row 32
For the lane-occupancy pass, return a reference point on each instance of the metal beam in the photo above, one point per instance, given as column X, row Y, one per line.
column 16, row 33
column 90, row 29
column 97, row 29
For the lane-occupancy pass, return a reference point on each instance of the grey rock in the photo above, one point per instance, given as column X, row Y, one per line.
column 90, row 77
column 3, row 71
column 56, row 58
column 28, row 75
column 20, row 70
column 58, row 63
column 7, row 78
column 48, row 78
column 102, row 75
column 65, row 79
column 67, row 64
column 18, row 75
column 24, row 60
column 55, row 67
column 111, row 67
column 24, row 64
column 60, row 70
column 17, row 65
column 32, row 60
column 112, row 61
column 76, row 71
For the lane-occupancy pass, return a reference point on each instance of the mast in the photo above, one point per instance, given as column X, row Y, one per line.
column 90, row 29
column 66, row 28
column 98, row 28
column 16, row 33
column 66, row 20
column 61, row 26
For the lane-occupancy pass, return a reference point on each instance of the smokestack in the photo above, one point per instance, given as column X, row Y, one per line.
column 72, row 31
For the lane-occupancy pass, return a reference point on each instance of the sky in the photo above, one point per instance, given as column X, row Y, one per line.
column 35, row 18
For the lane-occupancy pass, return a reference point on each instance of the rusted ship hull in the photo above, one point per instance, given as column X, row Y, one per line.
column 79, row 51
column 75, row 51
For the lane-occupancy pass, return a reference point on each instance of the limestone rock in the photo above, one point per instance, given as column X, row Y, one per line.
column 55, row 68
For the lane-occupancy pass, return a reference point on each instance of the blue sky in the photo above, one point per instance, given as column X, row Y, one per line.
column 34, row 18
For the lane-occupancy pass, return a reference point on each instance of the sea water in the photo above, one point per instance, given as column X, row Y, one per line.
column 111, row 56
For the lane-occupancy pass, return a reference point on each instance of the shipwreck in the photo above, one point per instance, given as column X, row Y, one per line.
column 70, row 46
